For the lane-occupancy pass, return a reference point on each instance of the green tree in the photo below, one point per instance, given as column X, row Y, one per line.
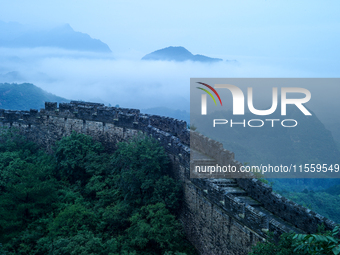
column 140, row 163
column 28, row 191
column 81, row 200
column 73, row 153
column 169, row 192
column 73, row 218
column 283, row 247
column 154, row 230
column 325, row 243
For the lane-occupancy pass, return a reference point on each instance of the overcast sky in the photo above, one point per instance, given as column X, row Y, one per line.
column 274, row 29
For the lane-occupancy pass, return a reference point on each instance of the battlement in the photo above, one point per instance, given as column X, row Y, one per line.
column 86, row 111
column 299, row 218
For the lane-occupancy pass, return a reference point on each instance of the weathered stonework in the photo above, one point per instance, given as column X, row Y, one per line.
column 220, row 216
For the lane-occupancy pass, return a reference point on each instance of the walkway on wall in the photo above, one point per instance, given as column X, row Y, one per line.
column 230, row 187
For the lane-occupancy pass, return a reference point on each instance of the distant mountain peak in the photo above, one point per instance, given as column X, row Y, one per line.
column 25, row 96
column 65, row 27
column 179, row 49
column 14, row 35
column 178, row 53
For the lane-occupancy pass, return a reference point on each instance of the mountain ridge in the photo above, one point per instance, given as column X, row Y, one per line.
column 25, row 96
column 15, row 35
column 179, row 54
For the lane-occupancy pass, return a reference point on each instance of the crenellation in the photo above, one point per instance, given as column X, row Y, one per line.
column 126, row 120
column 78, row 103
column 143, row 122
column 26, row 116
column 225, row 156
column 86, row 112
column 127, row 111
column 50, row 106
column 10, row 115
column 277, row 229
column 184, row 136
column 125, row 117
column 63, row 107
column 107, row 114
column 158, row 121
column 257, row 219
column 214, row 193
column 167, row 124
column 284, row 208
column 227, row 202
column 237, row 207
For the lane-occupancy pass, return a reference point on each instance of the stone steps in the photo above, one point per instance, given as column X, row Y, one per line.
column 235, row 191
column 272, row 216
column 230, row 186
column 225, row 182
column 250, row 201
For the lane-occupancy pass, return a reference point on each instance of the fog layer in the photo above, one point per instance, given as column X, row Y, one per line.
column 136, row 83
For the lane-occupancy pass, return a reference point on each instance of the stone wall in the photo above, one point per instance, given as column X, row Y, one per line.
column 295, row 214
column 216, row 221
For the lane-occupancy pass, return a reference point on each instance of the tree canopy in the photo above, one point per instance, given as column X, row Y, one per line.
column 82, row 200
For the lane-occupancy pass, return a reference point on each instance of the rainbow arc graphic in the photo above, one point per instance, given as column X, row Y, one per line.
column 204, row 97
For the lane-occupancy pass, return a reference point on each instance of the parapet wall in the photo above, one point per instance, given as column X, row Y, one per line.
column 216, row 222
column 298, row 216
column 171, row 133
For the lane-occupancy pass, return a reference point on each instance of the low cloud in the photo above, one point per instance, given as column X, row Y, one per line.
column 129, row 83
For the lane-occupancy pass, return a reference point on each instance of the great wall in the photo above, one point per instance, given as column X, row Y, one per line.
column 220, row 216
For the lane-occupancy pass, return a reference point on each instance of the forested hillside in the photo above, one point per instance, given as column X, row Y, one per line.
column 82, row 200
column 25, row 96
column 325, row 201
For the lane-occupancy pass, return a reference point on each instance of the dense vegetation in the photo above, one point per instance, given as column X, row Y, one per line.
column 323, row 243
column 325, row 202
column 320, row 195
column 82, row 200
